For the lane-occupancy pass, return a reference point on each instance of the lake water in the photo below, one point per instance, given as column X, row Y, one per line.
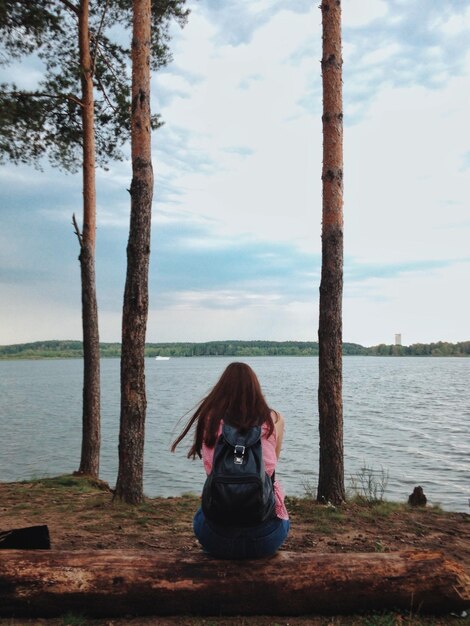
column 405, row 417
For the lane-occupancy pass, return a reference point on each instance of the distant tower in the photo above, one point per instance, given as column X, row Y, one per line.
column 398, row 339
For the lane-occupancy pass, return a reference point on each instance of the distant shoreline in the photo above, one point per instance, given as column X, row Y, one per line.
column 69, row 349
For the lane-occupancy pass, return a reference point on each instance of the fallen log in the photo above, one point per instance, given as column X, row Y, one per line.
column 106, row 583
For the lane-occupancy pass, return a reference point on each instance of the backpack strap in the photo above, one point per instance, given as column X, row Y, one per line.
column 233, row 437
column 240, row 442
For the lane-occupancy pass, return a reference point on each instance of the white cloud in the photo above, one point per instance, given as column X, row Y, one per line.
column 25, row 74
column 224, row 299
column 293, row 321
column 359, row 13
column 456, row 23
column 423, row 306
column 12, row 178
column 34, row 318
column 175, row 82
column 404, row 182
column 11, row 254
column 381, row 54
column 271, row 189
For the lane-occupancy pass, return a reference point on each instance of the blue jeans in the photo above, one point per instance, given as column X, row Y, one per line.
column 240, row 543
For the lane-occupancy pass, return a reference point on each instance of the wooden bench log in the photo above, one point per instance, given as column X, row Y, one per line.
column 107, row 583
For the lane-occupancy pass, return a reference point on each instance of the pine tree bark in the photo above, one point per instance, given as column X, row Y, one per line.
column 89, row 463
column 129, row 485
column 105, row 583
column 330, row 404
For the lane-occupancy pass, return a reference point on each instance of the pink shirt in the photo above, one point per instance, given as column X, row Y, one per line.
column 270, row 461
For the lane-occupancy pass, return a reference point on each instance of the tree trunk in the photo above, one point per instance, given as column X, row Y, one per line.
column 105, row 583
column 330, row 404
column 90, row 456
column 129, row 485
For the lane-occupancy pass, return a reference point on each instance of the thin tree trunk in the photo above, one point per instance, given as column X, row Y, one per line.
column 129, row 485
column 330, row 404
column 89, row 463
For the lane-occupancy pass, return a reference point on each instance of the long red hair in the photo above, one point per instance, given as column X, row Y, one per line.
column 237, row 399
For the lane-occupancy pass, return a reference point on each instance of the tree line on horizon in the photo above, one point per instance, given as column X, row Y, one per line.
column 236, row 348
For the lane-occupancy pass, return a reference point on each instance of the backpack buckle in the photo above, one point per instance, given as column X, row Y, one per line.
column 239, row 451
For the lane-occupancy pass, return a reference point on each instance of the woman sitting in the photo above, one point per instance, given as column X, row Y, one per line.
column 238, row 402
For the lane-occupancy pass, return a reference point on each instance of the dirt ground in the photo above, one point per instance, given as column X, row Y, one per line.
column 81, row 514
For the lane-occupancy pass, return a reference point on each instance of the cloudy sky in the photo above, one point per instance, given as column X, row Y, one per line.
column 237, row 213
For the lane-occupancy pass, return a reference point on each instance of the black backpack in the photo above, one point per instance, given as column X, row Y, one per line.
column 238, row 492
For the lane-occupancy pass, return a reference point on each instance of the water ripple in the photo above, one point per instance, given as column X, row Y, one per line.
column 409, row 416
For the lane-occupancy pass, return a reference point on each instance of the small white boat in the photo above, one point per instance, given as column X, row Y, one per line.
column 162, row 358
